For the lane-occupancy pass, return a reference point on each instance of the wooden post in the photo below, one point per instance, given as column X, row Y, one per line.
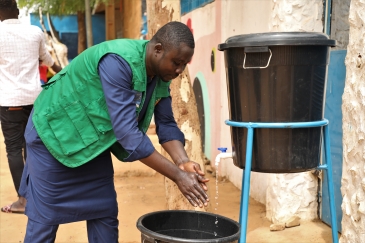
column 81, row 39
column 89, row 32
column 110, row 20
column 132, row 18
column 159, row 13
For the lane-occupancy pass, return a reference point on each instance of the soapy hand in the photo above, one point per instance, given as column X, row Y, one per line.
column 191, row 183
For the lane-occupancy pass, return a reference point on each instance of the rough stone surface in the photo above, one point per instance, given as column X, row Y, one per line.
column 297, row 15
column 294, row 194
column 292, row 221
column 291, row 194
column 353, row 126
column 277, row 227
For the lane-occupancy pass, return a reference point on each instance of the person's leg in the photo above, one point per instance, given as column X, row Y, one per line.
column 12, row 128
column 103, row 230
column 13, row 123
column 40, row 233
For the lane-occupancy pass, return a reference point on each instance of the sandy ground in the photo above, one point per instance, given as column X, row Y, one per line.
column 141, row 191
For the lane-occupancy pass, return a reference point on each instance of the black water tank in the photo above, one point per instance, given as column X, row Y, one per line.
column 277, row 77
column 179, row 226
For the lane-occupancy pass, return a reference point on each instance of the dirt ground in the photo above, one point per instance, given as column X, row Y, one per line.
column 141, row 191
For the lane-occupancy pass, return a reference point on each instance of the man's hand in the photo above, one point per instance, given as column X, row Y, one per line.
column 187, row 175
column 197, row 194
column 192, row 166
column 192, row 186
column 56, row 68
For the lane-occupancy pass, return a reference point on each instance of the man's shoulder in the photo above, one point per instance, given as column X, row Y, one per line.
column 30, row 27
column 34, row 32
column 27, row 28
column 35, row 28
column 29, row 33
column 126, row 41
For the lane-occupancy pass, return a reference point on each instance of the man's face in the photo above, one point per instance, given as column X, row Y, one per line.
column 171, row 63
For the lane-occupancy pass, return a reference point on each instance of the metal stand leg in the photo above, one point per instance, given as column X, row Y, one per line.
column 328, row 167
column 245, row 192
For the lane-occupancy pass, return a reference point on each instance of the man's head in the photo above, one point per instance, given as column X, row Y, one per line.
column 8, row 9
column 170, row 49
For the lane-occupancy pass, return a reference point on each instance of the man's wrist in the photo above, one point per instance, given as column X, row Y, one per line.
column 181, row 161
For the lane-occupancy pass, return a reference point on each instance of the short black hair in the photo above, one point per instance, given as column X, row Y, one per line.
column 8, row 5
column 173, row 34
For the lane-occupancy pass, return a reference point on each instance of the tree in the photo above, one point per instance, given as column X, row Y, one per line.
column 63, row 7
column 160, row 12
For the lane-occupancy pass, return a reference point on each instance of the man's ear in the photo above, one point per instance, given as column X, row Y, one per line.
column 158, row 48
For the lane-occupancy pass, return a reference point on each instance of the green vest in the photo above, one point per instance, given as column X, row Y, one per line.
column 71, row 115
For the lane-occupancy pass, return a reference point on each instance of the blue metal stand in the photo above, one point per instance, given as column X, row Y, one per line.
column 327, row 165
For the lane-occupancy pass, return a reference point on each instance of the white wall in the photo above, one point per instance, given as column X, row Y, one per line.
column 241, row 17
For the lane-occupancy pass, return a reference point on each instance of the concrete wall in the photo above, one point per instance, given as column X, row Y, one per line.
column 353, row 109
column 294, row 194
column 245, row 21
column 340, row 23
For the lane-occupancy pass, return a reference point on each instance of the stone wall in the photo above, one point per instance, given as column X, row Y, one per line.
column 353, row 109
column 297, row 15
column 294, row 194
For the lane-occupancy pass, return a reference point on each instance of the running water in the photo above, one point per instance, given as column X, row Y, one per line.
column 216, row 186
column 217, row 161
column 216, row 193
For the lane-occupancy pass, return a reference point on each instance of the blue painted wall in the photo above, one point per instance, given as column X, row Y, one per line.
column 67, row 29
column 189, row 5
column 333, row 112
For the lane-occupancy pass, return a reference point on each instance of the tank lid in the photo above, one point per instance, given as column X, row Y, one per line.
column 278, row 39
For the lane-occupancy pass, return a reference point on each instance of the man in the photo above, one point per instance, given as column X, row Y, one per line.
column 21, row 48
column 103, row 102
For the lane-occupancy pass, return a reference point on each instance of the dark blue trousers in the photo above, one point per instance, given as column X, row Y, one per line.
column 57, row 194
column 102, row 230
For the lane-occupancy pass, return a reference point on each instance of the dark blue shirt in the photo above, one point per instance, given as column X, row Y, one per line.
column 116, row 79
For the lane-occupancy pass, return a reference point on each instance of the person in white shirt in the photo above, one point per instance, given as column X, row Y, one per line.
column 21, row 48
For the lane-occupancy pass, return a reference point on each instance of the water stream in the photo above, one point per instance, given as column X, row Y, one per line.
column 216, row 193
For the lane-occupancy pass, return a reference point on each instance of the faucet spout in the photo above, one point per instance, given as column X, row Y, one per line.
column 222, row 155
